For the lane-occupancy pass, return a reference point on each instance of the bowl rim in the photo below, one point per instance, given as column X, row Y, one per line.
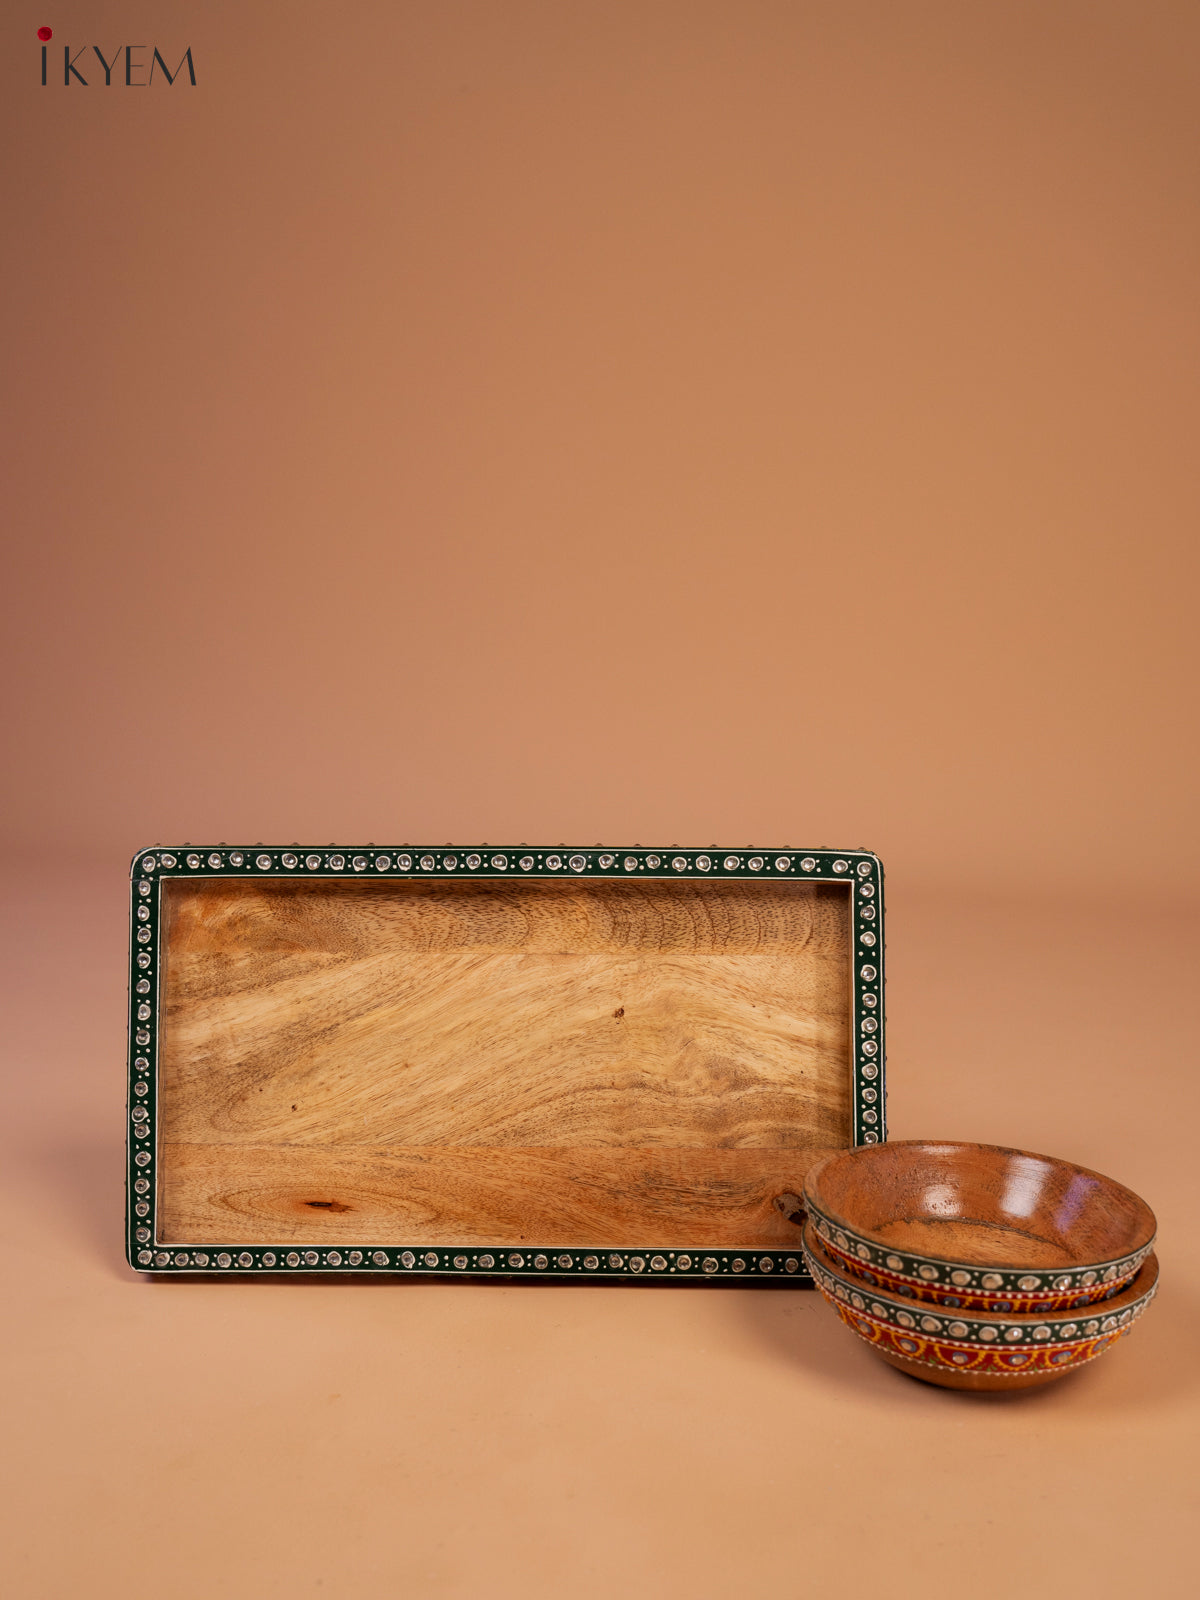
column 1134, row 1298
column 864, row 1154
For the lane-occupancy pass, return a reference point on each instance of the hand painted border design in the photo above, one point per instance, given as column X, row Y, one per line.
column 859, row 870
column 963, row 1299
column 1031, row 1332
column 940, row 1353
column 1089, row 1283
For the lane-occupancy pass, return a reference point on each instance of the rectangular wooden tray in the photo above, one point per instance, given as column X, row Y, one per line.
column 558, row 1063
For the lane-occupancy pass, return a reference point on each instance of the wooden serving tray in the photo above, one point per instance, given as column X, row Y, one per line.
column 561, row 1063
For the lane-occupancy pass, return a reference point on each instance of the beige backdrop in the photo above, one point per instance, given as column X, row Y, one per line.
column 644, row 422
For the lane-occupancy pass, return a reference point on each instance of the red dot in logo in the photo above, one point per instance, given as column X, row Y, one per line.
column 45, row 33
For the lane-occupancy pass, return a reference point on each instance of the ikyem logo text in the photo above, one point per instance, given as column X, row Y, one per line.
column 137, row 73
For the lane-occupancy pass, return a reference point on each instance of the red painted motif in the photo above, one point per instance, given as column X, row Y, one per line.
column 956, row 1357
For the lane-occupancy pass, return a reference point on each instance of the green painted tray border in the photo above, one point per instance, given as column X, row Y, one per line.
column 648, row 1263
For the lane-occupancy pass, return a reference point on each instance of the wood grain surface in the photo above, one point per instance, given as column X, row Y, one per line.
column 574, row 1063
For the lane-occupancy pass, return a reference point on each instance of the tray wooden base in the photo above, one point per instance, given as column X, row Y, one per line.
column 581, row 1063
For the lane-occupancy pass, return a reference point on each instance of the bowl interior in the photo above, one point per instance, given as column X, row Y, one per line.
column 981, row 1205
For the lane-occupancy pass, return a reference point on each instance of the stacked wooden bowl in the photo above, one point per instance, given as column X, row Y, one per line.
column 977, row 1267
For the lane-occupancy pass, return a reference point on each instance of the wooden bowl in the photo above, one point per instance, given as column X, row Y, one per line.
column 976, row 1350
column 978, row 1227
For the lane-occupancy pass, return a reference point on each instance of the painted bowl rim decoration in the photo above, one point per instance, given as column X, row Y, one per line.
column 952, row 1296
column 990, row 1330
column 973, row 1365
column 939, row 1274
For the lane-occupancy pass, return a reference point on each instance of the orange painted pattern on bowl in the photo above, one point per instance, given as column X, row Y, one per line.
column 954, row 1357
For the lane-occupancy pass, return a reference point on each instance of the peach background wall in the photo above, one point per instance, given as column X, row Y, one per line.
column 634, row 421
column 678, row 422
